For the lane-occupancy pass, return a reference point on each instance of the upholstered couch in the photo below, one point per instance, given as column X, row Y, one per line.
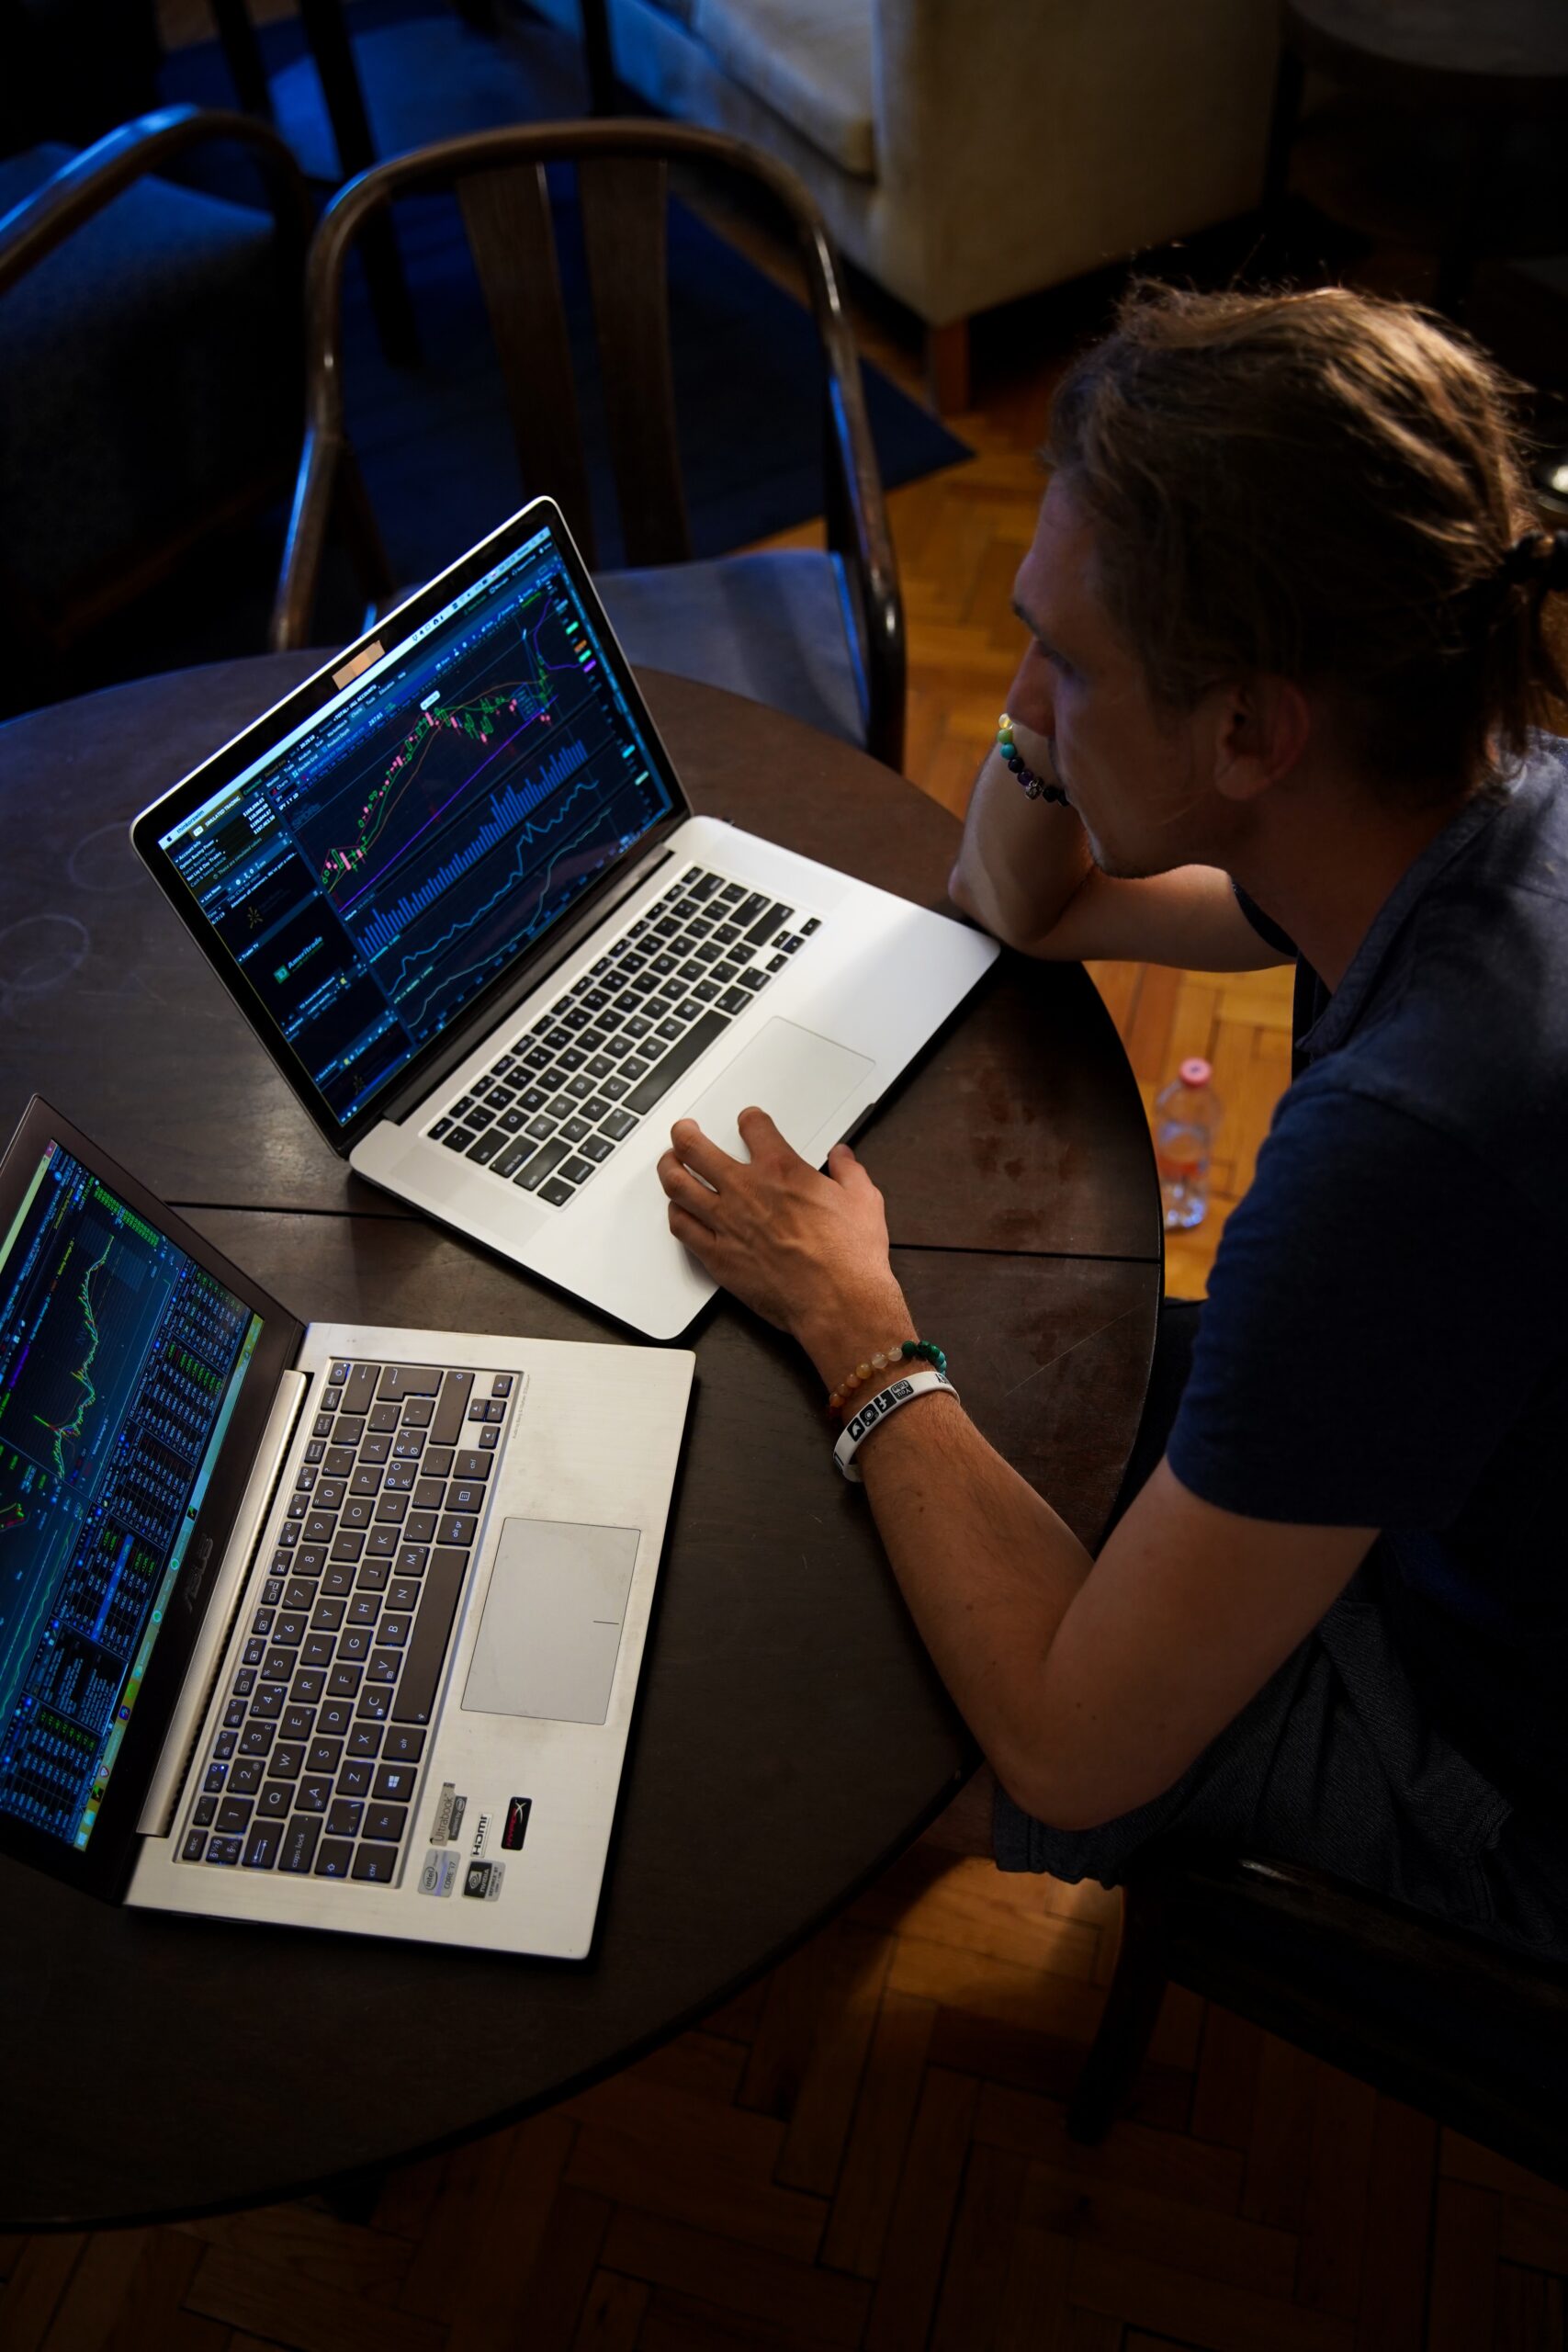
column 965, row 152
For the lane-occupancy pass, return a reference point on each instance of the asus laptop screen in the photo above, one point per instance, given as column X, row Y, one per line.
column 122, row 1364
column 375, row 871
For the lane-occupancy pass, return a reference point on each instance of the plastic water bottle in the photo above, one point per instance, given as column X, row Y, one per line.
column 1187, row 1116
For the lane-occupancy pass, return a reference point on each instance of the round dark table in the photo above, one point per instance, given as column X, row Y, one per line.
column 792, row 1735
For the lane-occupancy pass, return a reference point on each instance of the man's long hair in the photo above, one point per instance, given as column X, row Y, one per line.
column 1325, row 487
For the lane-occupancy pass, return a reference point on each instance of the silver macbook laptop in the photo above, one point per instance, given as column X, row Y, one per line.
column 330, row 1625
column 454, row 886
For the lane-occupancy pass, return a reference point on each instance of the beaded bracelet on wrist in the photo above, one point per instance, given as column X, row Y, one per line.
column 1036, row 786
column 897, row 1350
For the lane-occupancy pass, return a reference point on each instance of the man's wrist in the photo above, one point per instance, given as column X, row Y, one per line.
column 840, row 1339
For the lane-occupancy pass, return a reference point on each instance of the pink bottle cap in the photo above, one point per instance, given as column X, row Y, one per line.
column 1195, row 1072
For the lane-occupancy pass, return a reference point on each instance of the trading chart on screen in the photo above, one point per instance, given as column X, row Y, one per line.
column 372, row 876
column 121, row 1362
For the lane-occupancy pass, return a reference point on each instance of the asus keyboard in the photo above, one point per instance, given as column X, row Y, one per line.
column 316, row 1761
column 556, row 1103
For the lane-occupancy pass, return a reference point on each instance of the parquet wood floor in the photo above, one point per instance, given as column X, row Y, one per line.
column 867, row 2148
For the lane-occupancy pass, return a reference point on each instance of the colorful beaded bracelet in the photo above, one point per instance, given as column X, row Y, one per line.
column 1034, row 786
column 892, row 1353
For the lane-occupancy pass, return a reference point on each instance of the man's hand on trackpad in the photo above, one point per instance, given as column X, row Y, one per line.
column 806, row 1250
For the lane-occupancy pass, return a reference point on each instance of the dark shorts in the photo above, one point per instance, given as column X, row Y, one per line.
column 1333, row 1764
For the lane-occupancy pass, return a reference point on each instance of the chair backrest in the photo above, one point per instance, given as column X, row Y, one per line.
column 133, row 542
column 1467, row 2029
column 623, row 181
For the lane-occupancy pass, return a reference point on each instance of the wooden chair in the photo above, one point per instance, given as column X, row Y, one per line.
column 150, row 338
column 1472, row 2033
column 818, row 635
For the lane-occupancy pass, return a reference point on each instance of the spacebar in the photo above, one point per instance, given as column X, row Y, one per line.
column 676, row 1062
column 432, row 1632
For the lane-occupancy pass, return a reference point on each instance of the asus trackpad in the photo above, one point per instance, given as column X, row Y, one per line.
column 551, row 1629
column 797, row 1077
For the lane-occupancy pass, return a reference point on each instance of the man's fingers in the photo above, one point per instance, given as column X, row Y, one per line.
column 687, row 1190
column 690, row 1231
column 700, row 1152
column 758, row 1134
column 849, row 1172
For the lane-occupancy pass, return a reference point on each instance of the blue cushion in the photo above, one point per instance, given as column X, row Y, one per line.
column 774, row 627
column 143, row 376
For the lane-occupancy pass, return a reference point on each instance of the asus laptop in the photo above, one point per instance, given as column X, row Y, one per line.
column 326, row 1625
column 455, row 887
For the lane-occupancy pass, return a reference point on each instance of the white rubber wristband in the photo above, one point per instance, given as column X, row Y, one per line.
column 875, row 1409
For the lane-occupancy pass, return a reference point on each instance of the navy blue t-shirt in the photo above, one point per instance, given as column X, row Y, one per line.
column 1385, row 1342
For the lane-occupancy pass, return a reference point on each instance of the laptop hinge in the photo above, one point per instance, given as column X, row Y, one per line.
column 413, row 1095
column 162, row 1794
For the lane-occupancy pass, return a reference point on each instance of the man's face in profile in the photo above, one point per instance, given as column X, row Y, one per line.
column 1133, row 773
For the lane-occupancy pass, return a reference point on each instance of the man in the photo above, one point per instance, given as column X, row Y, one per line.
column 1285, row 614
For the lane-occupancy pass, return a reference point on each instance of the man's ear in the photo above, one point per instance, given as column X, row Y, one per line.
column 1262, row 726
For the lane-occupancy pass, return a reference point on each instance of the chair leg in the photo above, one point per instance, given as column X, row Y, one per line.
column 947, row 367
column 391, row 305
column 242, row 54
column 1128, row 2021
column 599, row 60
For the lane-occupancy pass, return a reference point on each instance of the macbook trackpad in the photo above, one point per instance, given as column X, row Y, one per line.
column 551, row 1629
column 797, row 1077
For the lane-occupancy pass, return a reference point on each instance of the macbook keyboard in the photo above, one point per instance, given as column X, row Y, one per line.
column 316, row 1762
column 556, row 1103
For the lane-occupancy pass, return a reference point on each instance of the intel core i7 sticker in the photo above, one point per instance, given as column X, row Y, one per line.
column 439, row 1874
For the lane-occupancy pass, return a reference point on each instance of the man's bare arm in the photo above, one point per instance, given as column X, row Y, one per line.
column 1091, row 1685
column 1025, row 875
column 1021, row 861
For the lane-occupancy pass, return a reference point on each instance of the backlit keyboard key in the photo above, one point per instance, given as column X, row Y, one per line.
column 299, row 1838
column 262, row 1844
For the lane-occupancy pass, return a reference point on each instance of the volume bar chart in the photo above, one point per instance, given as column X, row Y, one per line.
column 509, row 808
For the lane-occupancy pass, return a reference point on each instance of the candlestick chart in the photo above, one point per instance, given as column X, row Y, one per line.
column 448, row 836
column 405, row 851
column 428, row 772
